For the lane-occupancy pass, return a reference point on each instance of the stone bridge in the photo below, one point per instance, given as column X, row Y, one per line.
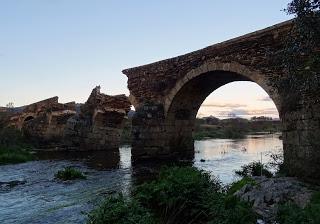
column 49, row 106
column 168, row 94
column 94, row 125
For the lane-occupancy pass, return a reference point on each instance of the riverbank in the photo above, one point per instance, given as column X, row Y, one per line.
column 14, row 148
column 235, row 128
column 178, row 195
column 188, row 195
column 14, row 154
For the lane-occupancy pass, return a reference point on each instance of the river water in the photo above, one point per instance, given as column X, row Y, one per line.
column 29, row 193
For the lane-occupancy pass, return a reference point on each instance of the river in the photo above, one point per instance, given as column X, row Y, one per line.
column 29, row 193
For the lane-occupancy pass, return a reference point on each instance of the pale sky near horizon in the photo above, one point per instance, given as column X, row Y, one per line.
column 66, row 47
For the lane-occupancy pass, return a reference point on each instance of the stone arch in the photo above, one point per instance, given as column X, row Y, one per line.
column 232, row 67
column 28, row 118
column 184, row 100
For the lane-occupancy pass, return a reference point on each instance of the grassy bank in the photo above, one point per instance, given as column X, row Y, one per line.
column 178, row 195
column 187, row 195
column 14, row 154
column 212, row 132
column 232, row 128
column 13, row 147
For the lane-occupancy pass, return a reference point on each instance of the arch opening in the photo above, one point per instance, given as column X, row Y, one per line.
column 184, row 107
column 29, row 118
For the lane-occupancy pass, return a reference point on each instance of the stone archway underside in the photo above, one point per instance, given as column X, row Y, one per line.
column 168, row 94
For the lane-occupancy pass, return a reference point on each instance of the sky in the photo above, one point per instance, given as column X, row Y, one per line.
column 66, row 47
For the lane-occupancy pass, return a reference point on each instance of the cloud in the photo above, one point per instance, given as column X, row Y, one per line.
column 243, row 112
column 266, row 111
column 267, row 99
column 226, row 105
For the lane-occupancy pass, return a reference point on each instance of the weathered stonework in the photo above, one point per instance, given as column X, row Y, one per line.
column 97, row 126
column 168, row 94
column 43, row 122
column 100, row 122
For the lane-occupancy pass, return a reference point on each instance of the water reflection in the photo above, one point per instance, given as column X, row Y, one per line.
column 222, row 156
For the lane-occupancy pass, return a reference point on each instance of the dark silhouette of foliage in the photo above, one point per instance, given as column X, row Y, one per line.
column 254, row 169
column 301, row 56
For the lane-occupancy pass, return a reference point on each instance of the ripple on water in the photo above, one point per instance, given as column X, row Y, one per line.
column 42, row 199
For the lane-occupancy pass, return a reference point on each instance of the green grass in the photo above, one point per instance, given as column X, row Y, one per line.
column 179, row 195
column 13, row 147
column 14, row 154
column 290, row 213
column 69, row 173
column 119, row 210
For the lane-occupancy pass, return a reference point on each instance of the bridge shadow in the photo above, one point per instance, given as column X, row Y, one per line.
column 99, row 160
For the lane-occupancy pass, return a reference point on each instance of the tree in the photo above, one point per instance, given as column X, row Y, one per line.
column 300, row 59
column 303, row 46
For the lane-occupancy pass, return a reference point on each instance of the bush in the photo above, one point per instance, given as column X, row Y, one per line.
column 179, row 195
column 69, row 173
column 117, row 210
column 290, row 213
column 254, row 169
column 12, row 154
column 277, row 163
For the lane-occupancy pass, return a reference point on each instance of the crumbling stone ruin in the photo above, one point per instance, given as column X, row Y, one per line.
column 44, row 122
column 95, row 125
column 99, row 124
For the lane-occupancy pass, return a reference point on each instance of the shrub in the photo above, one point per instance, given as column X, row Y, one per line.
column 254, row 169
column 69, row 173
column 277, row 163
column 179, row 194
column 117, row 210
column 290, row 213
